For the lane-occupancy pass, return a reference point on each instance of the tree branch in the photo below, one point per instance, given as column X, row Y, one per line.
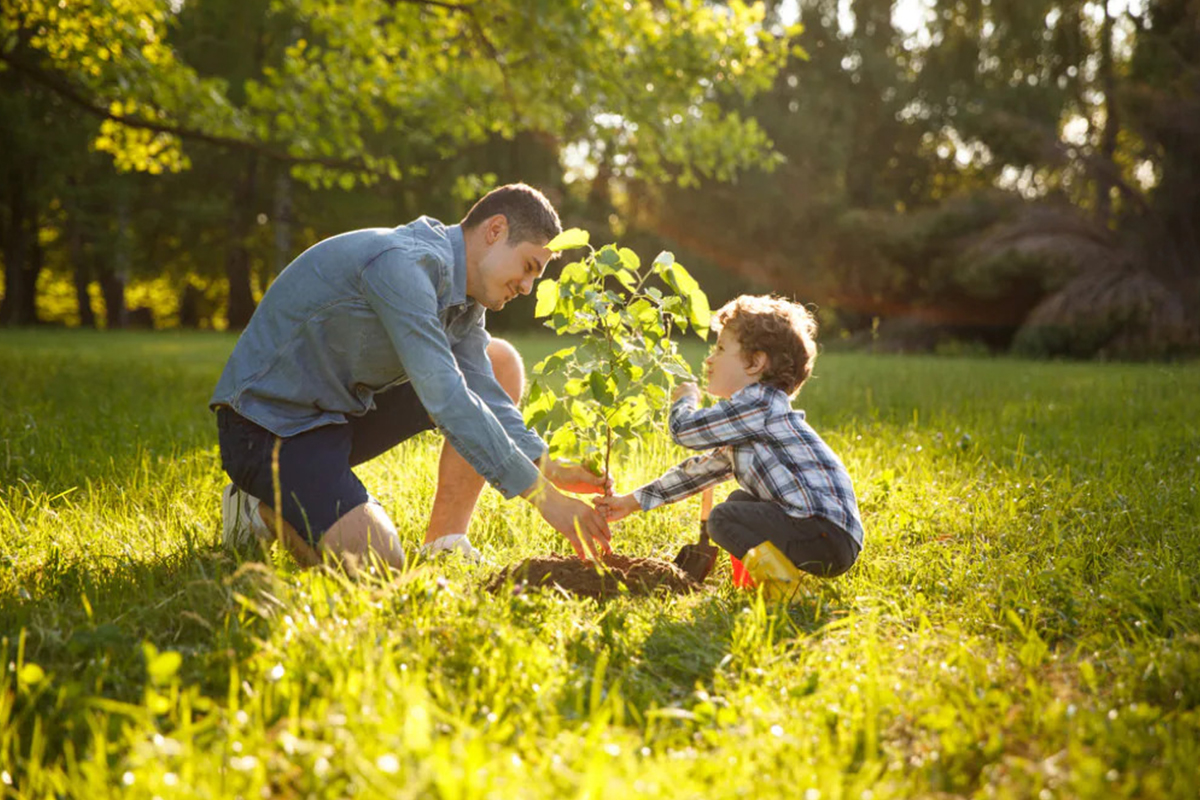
column 469, row 9
column 66, row 91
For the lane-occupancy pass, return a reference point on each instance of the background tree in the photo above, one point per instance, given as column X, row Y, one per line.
column 349, row 94
column 987, row 171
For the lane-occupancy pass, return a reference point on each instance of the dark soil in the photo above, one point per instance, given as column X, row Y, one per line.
column 613, row 576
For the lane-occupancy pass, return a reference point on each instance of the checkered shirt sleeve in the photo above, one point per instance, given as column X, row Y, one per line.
column 738, row 420
column 686, row 479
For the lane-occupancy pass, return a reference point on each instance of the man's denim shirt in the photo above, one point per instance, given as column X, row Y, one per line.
column 367, row 310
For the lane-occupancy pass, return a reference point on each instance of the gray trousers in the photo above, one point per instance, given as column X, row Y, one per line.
column 814, row 545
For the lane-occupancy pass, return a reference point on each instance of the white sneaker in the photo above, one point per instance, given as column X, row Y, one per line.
column 240, row 523
column 452, row 543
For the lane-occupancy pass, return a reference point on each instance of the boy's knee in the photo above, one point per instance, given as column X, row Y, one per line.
column 508, row 367
column 722, row 529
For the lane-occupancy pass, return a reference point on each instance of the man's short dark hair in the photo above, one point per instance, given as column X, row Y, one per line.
column 530, row 216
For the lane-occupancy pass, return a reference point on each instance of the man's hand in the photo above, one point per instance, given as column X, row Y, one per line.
column 617, row 507
column 684, row 390
column 582, row 525
column 575, row 479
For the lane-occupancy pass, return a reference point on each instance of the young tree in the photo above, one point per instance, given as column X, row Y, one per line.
column 601, row 395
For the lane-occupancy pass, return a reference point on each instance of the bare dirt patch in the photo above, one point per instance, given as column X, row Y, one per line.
column 613, row 576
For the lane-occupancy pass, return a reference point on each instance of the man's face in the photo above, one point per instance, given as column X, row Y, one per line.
column 508, row 270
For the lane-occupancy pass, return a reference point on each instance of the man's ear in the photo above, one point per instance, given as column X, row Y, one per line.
column 758, row 363
column 495, row 228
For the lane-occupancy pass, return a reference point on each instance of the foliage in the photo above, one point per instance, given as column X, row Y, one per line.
column 356, row 91
column 1053, row 103
column 610, row 381
column 1025, row 608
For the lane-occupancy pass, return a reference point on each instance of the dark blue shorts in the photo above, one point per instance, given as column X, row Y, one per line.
column 316, row 479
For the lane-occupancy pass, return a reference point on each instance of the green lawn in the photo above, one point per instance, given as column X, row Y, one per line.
column 1024, row 620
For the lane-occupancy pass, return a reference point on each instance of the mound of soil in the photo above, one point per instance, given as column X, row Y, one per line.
column 605, row 578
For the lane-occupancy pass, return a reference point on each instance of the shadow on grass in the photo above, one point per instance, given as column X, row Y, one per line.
column 86, row 620
column 720, row 632
column 91, row 627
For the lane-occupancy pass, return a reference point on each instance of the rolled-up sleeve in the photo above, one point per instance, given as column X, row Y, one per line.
column 402, row 294
column 476, row 367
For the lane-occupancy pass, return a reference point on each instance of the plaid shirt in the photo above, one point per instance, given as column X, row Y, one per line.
column 768, row 447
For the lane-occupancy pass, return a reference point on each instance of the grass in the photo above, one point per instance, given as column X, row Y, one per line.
column 1024, row 620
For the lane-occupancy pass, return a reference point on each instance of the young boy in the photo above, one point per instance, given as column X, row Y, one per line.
column 796, row 508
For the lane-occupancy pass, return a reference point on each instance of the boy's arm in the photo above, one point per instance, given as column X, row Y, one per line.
column 686, row 479
column 739, row 419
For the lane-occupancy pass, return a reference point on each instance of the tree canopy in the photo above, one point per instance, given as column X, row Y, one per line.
column 962, row 167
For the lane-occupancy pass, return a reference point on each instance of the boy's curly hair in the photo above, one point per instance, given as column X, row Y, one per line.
column 784, row 330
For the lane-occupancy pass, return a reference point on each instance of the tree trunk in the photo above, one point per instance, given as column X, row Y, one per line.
column 283, row 219
column 237, row 260
column 80, row 272
column 112, row 284
column 82, row 277
column 1108, row 137
column 28, row 309
column 20, row 278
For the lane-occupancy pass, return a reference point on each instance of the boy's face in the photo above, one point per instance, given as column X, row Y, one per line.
column 725, row 369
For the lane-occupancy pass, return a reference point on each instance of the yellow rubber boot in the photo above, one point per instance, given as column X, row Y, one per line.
column 771, row 569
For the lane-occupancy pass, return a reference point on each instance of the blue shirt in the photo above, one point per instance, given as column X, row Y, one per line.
column 367, row 310
column 768, row 447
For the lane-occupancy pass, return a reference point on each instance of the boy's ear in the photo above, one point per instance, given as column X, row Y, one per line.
column 759, row 363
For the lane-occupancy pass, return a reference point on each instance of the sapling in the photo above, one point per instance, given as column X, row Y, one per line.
column 601, row 395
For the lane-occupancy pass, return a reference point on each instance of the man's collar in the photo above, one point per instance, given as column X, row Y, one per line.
column 458, row 275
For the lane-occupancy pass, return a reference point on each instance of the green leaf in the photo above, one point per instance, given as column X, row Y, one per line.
column 699, row 312
column 600, row 388
column 547, row 298
column 608, row 256
column 574, row 273
column 678, row 369
column 583, row 415
column 569, row 239
column 643, row 311
column 542, row 402
column 563, row 442
column 630, row 259
column 680, row 279
column 552, row 362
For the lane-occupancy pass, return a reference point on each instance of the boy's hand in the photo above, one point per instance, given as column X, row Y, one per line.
column 684, row 390
column 574, row 478
column 617, row 507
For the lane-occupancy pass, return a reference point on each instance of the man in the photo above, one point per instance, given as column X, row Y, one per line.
column 367, row 339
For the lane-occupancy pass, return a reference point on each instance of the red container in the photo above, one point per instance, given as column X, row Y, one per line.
column 741, row 578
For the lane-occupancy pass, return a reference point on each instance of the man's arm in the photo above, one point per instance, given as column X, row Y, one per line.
column 403, row 296
column 409, row 314
column 471, row 354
